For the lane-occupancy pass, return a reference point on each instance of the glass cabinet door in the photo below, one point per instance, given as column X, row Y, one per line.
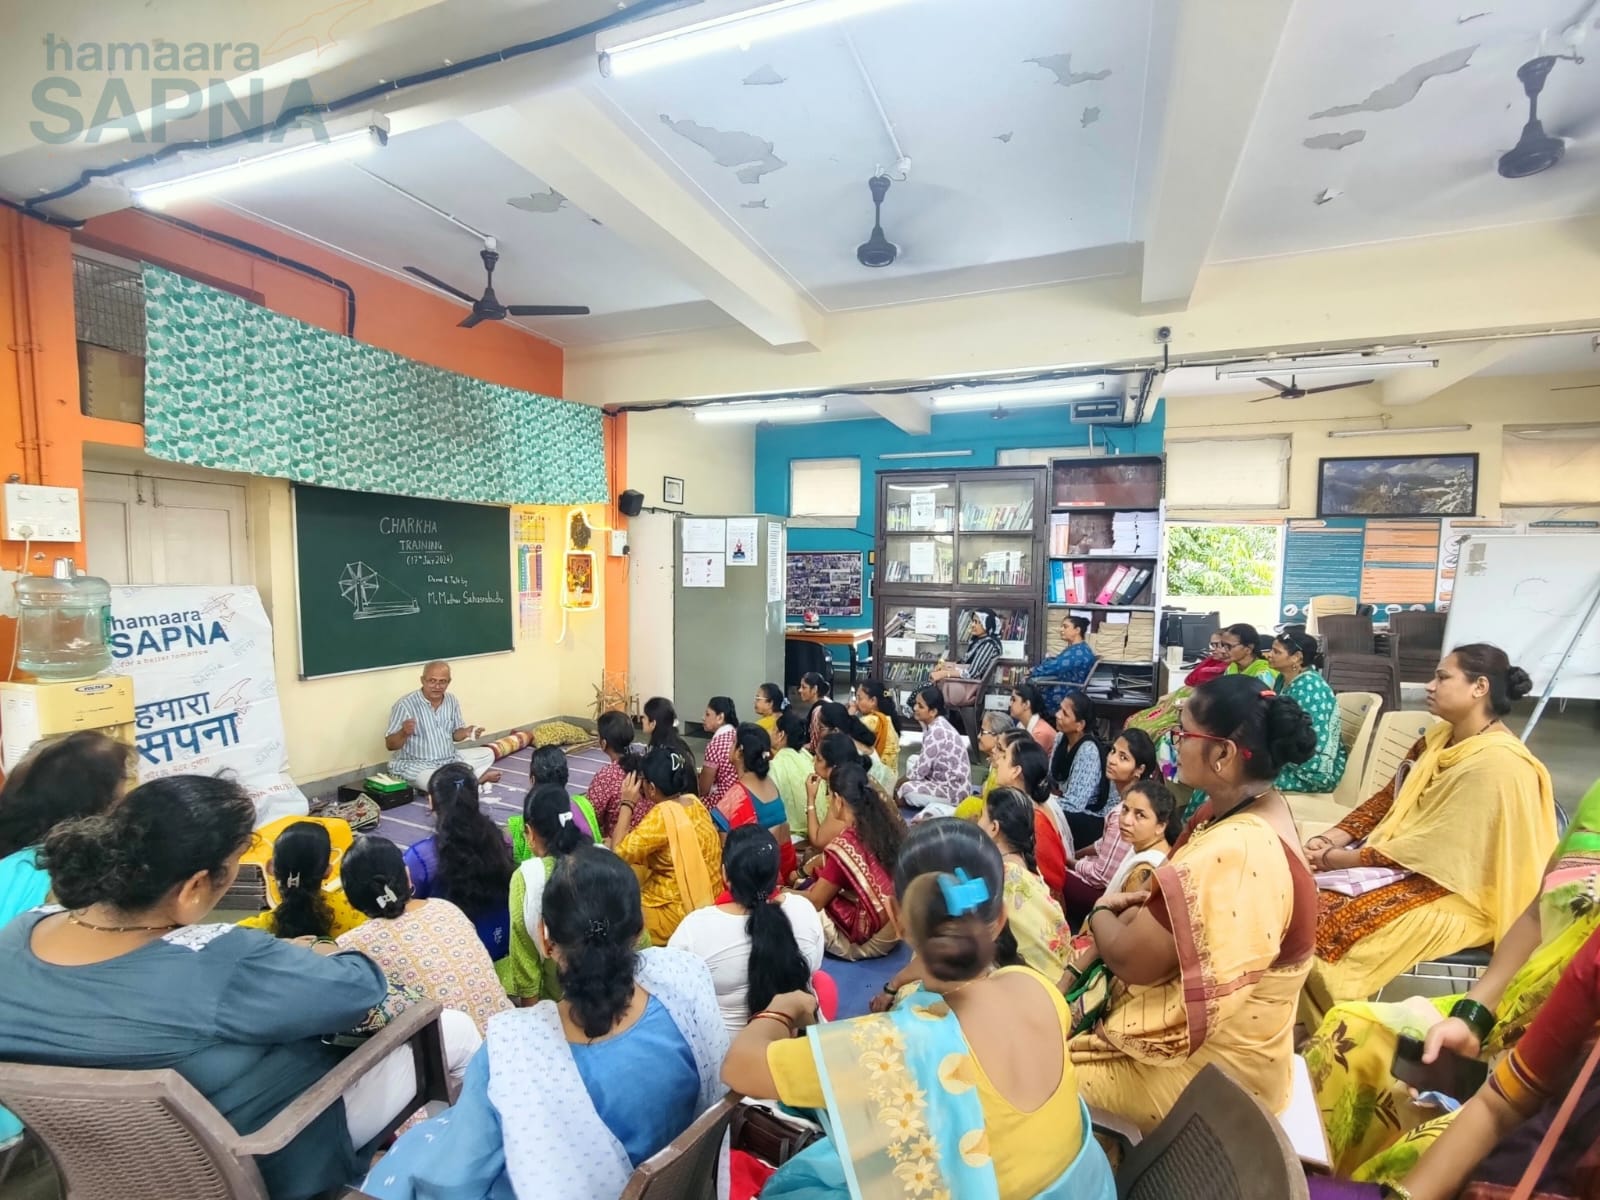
column 919, row 507
column 918, row 558
column 997, row 506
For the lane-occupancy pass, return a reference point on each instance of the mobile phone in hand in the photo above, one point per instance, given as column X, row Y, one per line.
column 1450, row 1073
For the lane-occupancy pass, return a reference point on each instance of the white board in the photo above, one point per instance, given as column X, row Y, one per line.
column 1527, row 596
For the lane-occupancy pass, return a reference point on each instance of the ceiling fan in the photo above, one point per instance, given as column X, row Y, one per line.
column 488, row 307
column 1291, row 392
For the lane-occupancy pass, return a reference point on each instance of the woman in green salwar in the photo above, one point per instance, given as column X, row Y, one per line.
column 1375, row 1131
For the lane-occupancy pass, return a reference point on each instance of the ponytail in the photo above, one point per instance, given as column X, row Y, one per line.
column 750, row 862
column 755, row 749
column 299, row 864
column 1012, row 813
column 947, row 860
column 547, row 811
column 879, row 829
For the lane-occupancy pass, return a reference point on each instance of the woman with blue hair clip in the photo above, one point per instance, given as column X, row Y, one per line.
column 964, row 1089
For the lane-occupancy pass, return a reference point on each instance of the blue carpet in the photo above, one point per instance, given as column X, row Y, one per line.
column 860, row 981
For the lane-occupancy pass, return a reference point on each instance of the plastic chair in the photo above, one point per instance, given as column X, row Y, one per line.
column 1397, row 732
column 1364, row 673
column 1218, row 1143
column 150, row 1135
column 1416, row 643
column 1315, row 811
column 964, row 703
column 1346, row 633
column 1327, row 606
column 687, row 1168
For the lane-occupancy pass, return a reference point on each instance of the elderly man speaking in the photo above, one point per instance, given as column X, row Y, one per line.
column 424, row 727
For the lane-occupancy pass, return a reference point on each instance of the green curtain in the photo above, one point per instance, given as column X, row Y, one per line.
column 234, row 386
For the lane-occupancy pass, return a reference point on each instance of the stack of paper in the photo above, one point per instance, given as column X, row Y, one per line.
column 1136, row 533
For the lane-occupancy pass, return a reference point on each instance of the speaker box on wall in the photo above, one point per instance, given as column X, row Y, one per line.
column 630, row 502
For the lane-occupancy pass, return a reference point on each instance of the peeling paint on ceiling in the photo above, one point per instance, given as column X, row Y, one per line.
column 1003, row 137
column 1090, row 116
column 1335, row 141
column 752, row 155
column 766, row 76
column 1061, row 64
column 1404, row 89
column 762, row 203
column 539, row 202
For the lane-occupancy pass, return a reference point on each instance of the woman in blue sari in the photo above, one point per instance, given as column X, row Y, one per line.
column 932, row 1098
column 552, row 1105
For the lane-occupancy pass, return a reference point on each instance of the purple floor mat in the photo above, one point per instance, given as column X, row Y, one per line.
column 412, row 822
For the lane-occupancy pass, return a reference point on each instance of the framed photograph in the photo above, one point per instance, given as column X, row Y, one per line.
column 1398, row 485
column 671, row 490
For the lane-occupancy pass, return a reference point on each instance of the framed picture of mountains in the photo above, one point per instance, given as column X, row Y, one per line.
column 1398, row 485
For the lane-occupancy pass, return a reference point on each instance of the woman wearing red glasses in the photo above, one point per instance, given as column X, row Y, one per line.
column 1208, row 964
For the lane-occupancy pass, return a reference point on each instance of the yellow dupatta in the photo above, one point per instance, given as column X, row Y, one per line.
column 688, row 866
column 1477, row 818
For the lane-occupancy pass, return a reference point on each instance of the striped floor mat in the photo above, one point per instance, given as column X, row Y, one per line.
column 412, row 822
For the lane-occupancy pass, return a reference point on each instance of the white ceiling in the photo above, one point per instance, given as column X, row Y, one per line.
column 1037, row 132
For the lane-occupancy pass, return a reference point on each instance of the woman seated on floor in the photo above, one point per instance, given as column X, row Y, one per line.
column 718, row 775
column 1028, row 710
column 1296, row 657
column 815, row 688
column 769, row 705
column 548, row 764
column 1444, row 858
column 1493, row 1138
column 302, row 861
column 757, row 793
column 566, row 1098
column 1149, row 823
column 792, row 765
column 1035, row 932
column 426, row 944
column 942, row 772
column 990, row 730
column 675, row 851
column 1020, row 764
column 552, row 834
column 854, row 874
column 128, row 978
column 467, row 861
column 764, row 941
column 62, row 779
column 836, row 718
column 1207, row 965
column 966, row 1075
column 1132, row 758
column 660, row 722
column 875, row 706
column 615, row 732
column 1375, row 1131
column 1078, row 769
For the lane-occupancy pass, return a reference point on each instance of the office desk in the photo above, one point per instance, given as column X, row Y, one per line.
column 853, row 638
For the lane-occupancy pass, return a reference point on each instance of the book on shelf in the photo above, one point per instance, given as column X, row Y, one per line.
column 1113, row 585
column 1068, row 583
column 981, row 518
column 1133, row 585
column 1000, row 568
column 1136, row 533
column 897, row 519
column 1013, row 623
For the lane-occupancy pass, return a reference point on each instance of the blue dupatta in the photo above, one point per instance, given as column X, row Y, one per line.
column 904, row 1118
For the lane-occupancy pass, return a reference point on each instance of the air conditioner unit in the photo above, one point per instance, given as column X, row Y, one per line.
column 1101, row 410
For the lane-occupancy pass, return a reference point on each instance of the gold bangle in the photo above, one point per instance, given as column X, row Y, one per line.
column 774, row 1016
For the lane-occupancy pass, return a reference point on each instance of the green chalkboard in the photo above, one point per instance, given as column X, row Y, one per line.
column 388, row 580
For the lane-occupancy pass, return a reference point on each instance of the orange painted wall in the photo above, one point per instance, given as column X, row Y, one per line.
column 43, row 434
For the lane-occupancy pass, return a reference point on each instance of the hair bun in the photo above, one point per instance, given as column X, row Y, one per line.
column 1291, row 738
column 1518, row 683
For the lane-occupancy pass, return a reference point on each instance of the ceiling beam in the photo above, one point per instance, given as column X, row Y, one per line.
column 572, row 141
column 1222, row 57
column 1401, row 388
column 906, row 412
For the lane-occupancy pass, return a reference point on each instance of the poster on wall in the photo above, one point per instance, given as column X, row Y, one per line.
column 741, row 542
column 205, row 692
column 827, row 583
column 1451, row 534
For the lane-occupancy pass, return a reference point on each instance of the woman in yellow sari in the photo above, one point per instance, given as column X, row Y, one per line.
column 1375, row 1132
column 1207, row 965
column 674, row 850
column 1449, row 859
column 875, row 706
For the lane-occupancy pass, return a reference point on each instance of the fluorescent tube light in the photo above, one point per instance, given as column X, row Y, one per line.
column 334, row 147
column 1323, row 362
column 1057, row 393
column 925, row 454
column 719, row 25
column 759, row 412
column 1342, row 433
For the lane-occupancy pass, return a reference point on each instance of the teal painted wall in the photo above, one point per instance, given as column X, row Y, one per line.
column 779, row 445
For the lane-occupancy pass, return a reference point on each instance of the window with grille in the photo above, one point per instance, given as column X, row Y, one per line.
column 108, row 304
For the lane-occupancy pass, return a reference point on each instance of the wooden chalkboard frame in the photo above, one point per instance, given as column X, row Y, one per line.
column 493, row 627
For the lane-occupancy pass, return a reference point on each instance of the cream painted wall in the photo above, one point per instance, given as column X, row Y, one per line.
column 1528, row 276
column 1487, row 404
column 715, row 462
column 336, row 724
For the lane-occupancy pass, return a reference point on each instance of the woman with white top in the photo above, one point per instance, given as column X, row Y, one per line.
column 1150, row 822
column 761, row 943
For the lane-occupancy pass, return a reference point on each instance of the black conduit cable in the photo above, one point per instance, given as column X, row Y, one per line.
column 58, row 222
column 289, row 115
column 227, row 239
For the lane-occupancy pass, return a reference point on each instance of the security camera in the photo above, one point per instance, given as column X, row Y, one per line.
column 1163, row 334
